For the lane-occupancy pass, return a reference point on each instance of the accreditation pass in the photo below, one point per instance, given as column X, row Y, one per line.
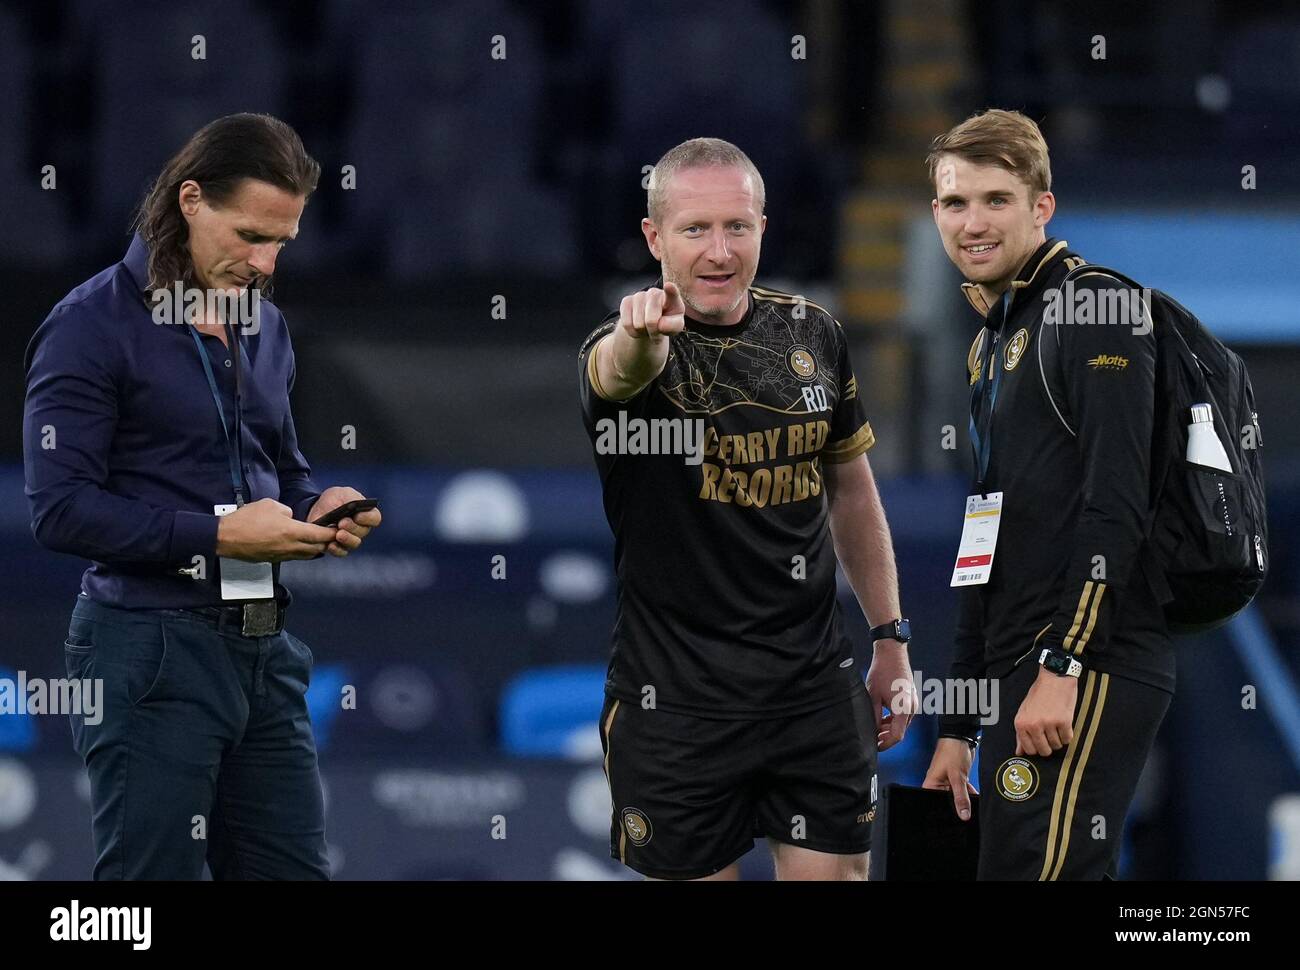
column 244, row 580
column 979, row 538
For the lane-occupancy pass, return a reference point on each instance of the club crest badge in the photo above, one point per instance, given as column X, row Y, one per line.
column 637, row 826
column 802, row 363
column 1017, row 780
column 1016, row 348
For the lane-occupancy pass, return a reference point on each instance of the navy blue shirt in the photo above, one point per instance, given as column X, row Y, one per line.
column 124, row 453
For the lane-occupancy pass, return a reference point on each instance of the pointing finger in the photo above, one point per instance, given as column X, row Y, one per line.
column 638, row 314
column 654, row 305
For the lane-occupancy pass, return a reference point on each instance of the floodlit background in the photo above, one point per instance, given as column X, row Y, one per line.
column 437, row 308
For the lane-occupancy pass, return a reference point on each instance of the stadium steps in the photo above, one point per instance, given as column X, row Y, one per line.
column 927, row 65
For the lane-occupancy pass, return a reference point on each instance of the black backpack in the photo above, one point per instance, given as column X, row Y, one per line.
column 1206, row 554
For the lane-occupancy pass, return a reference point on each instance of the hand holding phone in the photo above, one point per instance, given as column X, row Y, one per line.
column 348, row 510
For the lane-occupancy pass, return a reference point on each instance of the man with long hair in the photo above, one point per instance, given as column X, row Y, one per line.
column 160, row 445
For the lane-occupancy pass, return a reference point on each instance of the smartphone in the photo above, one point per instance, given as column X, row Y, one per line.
column 347, row 510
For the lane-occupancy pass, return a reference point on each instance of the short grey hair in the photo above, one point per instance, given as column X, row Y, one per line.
column 698, row 153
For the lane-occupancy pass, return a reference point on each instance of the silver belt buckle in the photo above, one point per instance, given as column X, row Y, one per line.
column 259, row 619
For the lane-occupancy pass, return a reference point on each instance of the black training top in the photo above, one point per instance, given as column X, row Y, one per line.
column 726, row 569
column 1074, row 469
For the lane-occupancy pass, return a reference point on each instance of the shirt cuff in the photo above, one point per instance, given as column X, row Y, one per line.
column 962, row 726
column 593, row 377
column 193, row 534
column 303, row 506
column 858, row 443
column 1081, row 626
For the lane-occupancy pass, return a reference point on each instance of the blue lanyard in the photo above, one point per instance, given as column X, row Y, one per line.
column 984, row 396
column 234, row 453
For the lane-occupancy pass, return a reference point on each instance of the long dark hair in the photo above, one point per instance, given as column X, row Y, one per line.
column 219, row 156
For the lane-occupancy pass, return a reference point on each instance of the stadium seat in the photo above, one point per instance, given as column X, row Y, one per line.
column 552, row 712
column 26, row 203
column 17, row 730
column 1262, row 68
column 152, row 94
column 436, row 119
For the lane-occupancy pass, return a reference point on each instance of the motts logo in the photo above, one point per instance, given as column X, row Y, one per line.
column 1108, row 362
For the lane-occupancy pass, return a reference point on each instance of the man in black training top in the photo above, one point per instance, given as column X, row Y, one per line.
column 1063, row 403
column 729, row 435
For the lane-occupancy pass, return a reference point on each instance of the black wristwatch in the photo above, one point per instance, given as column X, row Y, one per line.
column 900, row 630
column 972, row 740
column 1059, row 662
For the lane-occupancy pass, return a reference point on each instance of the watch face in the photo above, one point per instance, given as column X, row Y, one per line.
column 1056, row 663
column 900, row 630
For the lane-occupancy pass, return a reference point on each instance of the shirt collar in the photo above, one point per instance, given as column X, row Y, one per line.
column 1027, row 278
column 136, row 262
column 716, row 329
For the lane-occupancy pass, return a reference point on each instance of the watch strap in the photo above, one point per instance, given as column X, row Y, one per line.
column 1059, row 662
column 900, row 630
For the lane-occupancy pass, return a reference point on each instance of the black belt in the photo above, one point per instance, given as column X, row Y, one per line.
column 261, row 618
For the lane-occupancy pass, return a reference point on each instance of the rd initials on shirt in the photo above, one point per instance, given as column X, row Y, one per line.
column 815, row 398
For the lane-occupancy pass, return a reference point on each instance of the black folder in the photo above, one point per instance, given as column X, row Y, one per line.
column 920, row 838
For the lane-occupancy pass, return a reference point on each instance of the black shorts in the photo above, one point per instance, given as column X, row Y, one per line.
column 1062, row 817
column 690, row 794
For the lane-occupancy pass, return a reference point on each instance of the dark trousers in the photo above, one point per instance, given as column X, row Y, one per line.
column 203, row 750
column 1062, row 817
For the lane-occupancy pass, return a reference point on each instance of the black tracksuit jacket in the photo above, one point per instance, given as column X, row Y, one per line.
column 1073, row 467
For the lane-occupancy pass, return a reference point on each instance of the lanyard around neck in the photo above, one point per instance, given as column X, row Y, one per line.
column 984, row 396
column 234, row 449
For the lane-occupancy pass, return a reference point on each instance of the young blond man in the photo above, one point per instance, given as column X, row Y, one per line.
column 1062, row 412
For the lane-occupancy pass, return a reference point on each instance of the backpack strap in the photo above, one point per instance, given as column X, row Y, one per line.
column 1078, row 269
column 1082, row 269
column 1148, row 562
column 1042, row 371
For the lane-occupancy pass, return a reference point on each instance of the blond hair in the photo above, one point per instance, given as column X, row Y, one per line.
column 1007, row 139
column 698, row 153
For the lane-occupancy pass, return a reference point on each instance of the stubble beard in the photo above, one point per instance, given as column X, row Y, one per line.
column 705, row 314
